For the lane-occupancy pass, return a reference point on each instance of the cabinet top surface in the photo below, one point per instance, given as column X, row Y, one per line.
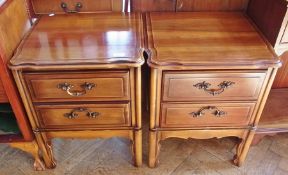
column 203, row 38
column 83, row 39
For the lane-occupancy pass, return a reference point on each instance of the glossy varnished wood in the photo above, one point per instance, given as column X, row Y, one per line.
column 153, row 5
column 12, row 29
column 275, row 115
column 105, row 50
column 101, row 38
column 188, row 5
column 11, row 34
column 108, row 86
column 211, row 5
column 221, row 45
column 54, row 6
column 281, row 79
column 269, row 15
column 181, row 115
column 108, row 115
column 182, row 85
column 227, row 36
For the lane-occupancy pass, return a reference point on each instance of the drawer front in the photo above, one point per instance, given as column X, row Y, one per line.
column 83, row 116
column 206, row 115
column 54, row 6
column 78, row 86
column 153, row 5
column 208, row 5
column 193, row 86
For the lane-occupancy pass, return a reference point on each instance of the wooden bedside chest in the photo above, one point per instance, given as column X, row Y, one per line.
column 210, row 77
column 79, row 76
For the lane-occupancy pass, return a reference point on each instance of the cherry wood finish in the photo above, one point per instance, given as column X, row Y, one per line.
column 10, row 36
column 182, row 85
column 107, row 86
column 236, row 35
column 222, row 43
column 100, row 36
column 281, row 79
column 95, row 48
column 153, row 5
column 54, row 6
column 275, row 117
column 60, row 116
column 275, row 111
column 271, row 17
column 189, row 5
column 211, row 5
column 183, row 115
column 12, row 29
column 3, row 96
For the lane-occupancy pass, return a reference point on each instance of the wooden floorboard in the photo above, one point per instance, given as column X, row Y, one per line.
column 178, row 157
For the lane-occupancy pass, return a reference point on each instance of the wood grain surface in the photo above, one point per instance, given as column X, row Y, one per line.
column 206, row 39
column 54, row 6
column 188, row 5
column 275, row 114
column 12, row 29
column 94, row 38
column 108, row 86
column 182, row 85
column 181, row 115
column 108, row 115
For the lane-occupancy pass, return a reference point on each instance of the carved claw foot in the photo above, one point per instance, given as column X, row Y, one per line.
column 33, row 149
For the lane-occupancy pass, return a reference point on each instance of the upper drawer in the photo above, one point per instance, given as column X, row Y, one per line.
column 78, row 86
column 57, row 6
column 195, row 86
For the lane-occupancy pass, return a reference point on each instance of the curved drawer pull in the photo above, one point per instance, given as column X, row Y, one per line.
column 217, row 112
column 73, row 114
column 222, row 86
column 78, row 6
column 67, row 87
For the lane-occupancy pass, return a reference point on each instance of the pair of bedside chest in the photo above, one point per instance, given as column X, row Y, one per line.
column 79, row 76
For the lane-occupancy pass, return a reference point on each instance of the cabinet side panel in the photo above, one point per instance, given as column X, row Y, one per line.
column 268, row 16
column 15, row 23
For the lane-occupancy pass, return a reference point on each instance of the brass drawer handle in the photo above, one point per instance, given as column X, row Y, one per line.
column 78, row 6
column 67, row 87
column 73, row 114
column 222, row 86
column 217, row 112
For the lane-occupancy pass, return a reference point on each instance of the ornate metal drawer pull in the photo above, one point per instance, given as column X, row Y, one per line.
column 73, row 114
column 78, row 6
column 217, row 112
column 67, row 87
column 222, row 86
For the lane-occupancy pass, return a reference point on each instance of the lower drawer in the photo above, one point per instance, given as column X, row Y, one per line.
column 206, row 115
column 83, row 116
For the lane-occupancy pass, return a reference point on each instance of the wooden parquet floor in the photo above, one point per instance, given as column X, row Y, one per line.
column 178, row 157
